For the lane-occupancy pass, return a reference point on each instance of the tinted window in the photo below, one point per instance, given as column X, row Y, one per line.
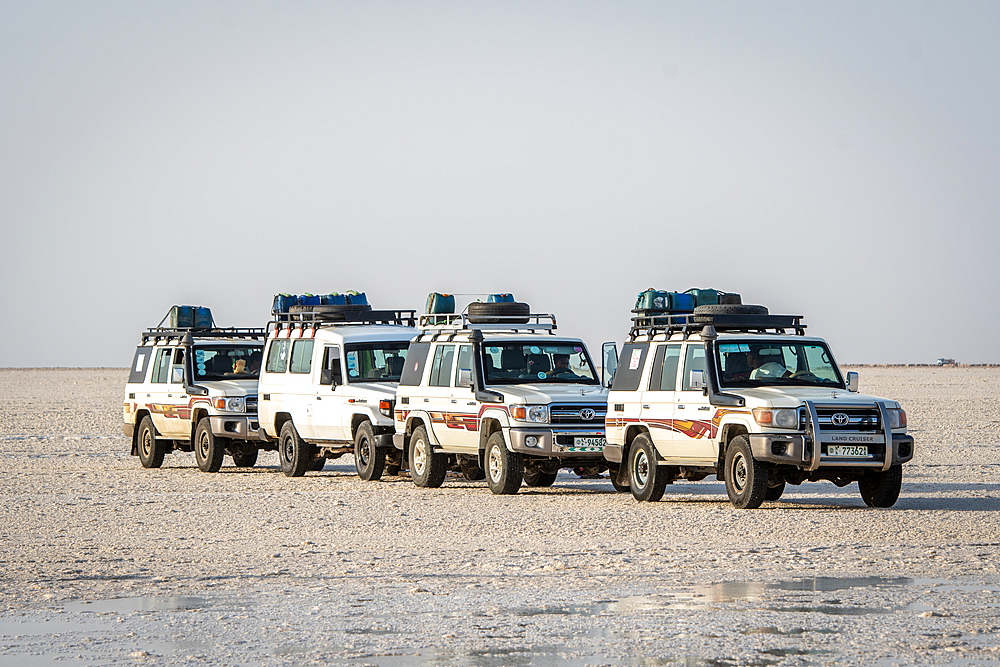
column 441, row 366
column 630, row 365
column 302, row 353
column 277, row 356
column 664, row 373
column 331, row 362
column 694, row 360
column 140, row 364
column 413, row 369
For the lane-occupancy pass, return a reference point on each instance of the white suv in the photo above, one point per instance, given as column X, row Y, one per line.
column 496, row 390
column 328, row 386
column 195, row 389
column 732, row 391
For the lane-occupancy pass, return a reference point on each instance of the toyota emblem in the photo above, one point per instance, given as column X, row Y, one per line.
column 840, row 419
column 587, row 414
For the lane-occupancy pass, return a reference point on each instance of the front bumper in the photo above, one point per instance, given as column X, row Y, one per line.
column 239, row 427
column 553, row 443
column 797, row 450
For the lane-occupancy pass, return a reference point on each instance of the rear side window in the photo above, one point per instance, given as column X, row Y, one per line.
column 277, row 356
column 413, row 369
column 630, row 365
column 302, row 353
column 444, row 355
column 161, row 372
column 664, row 373
column 137, row 373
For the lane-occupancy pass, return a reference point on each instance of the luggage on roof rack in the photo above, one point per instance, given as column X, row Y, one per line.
column 189, row 317
column 750, row 319
column 665, row 302
column 285, row 305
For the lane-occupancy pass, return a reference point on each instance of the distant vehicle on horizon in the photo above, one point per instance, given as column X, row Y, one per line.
column 945, row 362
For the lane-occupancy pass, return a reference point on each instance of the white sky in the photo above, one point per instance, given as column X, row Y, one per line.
column 835, row 160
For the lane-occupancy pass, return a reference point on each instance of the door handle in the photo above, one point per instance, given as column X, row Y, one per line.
column 319, row 398
column 454, row 400
column 680, row 407
column 427, row 400
column 645, row 407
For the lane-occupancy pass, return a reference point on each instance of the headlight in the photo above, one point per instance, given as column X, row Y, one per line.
column 782, row 418
column 897, row 418
column 538, row 414
column 233, row 404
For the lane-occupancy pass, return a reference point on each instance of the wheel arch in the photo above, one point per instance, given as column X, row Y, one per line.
column 357, row 419
column 139, row 416
column 279, row 421
column 630, row 434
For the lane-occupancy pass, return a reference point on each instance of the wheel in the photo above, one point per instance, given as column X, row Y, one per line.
column 881, row 488
column 318, row 464
column 369, row 460
column 746, row 478
column 730, row 309
column 244, row 456
column 427, row 469
column 472, row 471
column 646, row 479
column 499, row 313
column 150, row 451
column 539, row 478
column 296, row 455
column 774, row 492
column 504, row 468
column 619, row 487
column 208, row 449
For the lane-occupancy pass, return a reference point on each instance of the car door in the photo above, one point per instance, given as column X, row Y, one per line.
column 299, row 393
column 463, row 419
column 692, row 425
column 328, row 410
column 659, row 397
column 156, row 391
column 437, row 395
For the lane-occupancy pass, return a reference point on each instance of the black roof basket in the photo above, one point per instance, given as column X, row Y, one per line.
column 652, row 322
column 168, row 333
column 407, row 318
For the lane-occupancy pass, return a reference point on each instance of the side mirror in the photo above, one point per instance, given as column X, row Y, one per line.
column 464, row 378
column 852, row 381
column 177, row 375
column 610, row 354
column 326, row 377
column 696, row 380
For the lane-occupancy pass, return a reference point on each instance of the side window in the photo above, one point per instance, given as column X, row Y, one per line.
column 464, row 360
column 137, row 374
column 331, row 362
column 277, row 356
column 177, row 369
column 819, row 363
column 444, row 355
column 302, row 354
column 664, row 374
column 630, row 366
column 694, row 360
column 161, row 372
column 413, row 368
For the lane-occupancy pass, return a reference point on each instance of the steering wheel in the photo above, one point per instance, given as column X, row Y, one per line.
column 804, row 375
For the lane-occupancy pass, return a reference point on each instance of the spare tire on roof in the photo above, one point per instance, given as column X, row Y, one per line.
column 730, row 309
column 330, row 312
column 511, row 312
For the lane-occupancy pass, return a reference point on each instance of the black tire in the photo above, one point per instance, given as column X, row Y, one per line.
column 746, row 478
column 619, row 487
column 295, row 454
column 472, row 471
column 208, row 449
column 774, row 492
column 539, row 478
column 730, row 309
column 151, row 451
column 647, row 480
column 881, row 488
column 499, row 313
column 330, row 312
column 427, row 468
column 369, row 458
column 244, row 456
column 504, row 468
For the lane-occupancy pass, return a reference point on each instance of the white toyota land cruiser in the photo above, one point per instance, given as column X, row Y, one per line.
column 194, row 388
column 328, row 386
column 732, row 391
column 496, row 389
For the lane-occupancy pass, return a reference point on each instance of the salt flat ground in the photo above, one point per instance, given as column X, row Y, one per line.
column 104, row 562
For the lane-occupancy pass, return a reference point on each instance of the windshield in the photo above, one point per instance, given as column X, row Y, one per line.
column 375, row 362
column 539, row 361
column 757, row 364
column 227, row 362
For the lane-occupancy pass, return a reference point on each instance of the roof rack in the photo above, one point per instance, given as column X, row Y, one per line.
column 168, row 333
column 310, row 320
column 653, row 322
column 451, row 323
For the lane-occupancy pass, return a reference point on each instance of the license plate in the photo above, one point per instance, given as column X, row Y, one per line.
column 590, row 442
column 847, row 450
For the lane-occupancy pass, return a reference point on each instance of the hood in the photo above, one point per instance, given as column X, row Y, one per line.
column 376, row 390
column 552, row 393
column 791, row 397
column 230, row 387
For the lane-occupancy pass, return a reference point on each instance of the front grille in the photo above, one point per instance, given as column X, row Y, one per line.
column 858, row 419
column 251, row 403
column 569, row 414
